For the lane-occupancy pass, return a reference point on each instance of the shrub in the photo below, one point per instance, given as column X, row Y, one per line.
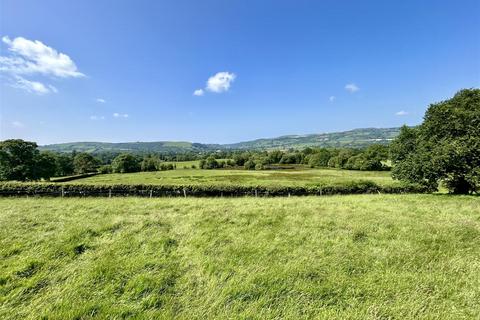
column 259, row 166
column 105, row 169
column 209, row 163
column 249, row 165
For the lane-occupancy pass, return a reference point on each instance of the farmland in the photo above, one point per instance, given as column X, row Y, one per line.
column 294, row 177
column 339, row 257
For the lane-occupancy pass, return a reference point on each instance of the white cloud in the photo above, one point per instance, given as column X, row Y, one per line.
column 33, row 86
column 34, row 57
column 351, row 87
column 100, row 100
column 332, row 98
column 401, row 113
column 220, row 82
column 18, row 125
column 198, row 92
column 120, row 115
column 97, row 118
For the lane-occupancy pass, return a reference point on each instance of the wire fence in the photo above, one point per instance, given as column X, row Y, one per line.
column 152, row 193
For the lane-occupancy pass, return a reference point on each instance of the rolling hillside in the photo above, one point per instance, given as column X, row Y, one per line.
column 356, row 138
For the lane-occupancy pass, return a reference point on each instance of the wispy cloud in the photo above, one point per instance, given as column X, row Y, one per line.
column 401, row 113
column 33, row 58
column 101, row 100
column 18, row 125
column 198, row 92
column 33, row 86
column 95, row 118
column 351, row 87
column 120, row 115
column 332, row 98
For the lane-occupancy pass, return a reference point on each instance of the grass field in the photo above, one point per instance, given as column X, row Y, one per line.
column 184, row 164
column 338, row 257
column 299, row 177
column 187, row 164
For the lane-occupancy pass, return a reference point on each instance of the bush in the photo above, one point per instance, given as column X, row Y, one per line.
column 249, row 165
column 105, row 169
column 259, row 166
column 166, row 166
column 209, row 163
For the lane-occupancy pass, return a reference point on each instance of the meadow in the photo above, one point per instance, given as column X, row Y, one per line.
column 336, row 257
column 288, row 177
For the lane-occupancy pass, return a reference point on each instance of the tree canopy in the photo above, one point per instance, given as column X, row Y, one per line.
column 445, row 148
column 125, row 163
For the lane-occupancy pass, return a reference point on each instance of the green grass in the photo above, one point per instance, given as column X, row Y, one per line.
column 301, row 177
column 187, row 164
column 184, row 164
column 339, row 257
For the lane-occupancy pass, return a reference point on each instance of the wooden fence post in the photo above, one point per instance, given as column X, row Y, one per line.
column 109, row 193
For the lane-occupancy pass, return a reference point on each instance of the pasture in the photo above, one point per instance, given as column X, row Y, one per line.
column 290, row 177
column 338, row 257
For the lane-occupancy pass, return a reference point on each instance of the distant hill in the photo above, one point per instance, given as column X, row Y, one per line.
column 134, row 147
column 357, row 138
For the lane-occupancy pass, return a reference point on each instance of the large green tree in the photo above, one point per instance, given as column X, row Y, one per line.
column 17, row 159
column 64, row 164
column 45, row 165
column 84, row 162
column 444, row 148
column 124, row 163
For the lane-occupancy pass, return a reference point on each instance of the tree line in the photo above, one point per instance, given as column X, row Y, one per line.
column 21, row 160
column 372, row 158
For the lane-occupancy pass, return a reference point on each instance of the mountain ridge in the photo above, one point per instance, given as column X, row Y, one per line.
column 356, row 138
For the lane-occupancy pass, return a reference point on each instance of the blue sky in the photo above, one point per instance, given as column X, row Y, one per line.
column 127, row 70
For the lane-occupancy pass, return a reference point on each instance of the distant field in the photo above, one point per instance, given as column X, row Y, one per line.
column 184, row 164
column 305, row 177
column 187, row 164
column 339, row 257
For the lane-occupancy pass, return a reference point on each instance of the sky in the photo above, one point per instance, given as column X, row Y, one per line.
column 219, row 71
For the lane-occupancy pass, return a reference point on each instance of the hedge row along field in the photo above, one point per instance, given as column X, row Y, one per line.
column 75, row 190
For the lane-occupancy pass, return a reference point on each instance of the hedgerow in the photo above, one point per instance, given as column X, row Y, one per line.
column 53, row 189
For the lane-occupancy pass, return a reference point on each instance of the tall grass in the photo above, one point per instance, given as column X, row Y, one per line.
column 339, row 257
column 300, row 177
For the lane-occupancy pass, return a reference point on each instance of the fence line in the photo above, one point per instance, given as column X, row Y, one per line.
column 57, row 190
